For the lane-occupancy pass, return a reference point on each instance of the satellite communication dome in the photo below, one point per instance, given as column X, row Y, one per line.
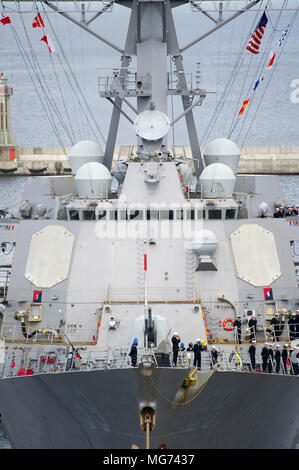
column 83, row 152
column 93, row 180
column 204, row 243
column 217, row 180
column 222, row 151
column 151, row 125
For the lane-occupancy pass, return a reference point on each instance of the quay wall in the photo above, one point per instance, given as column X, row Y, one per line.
column 254, row 159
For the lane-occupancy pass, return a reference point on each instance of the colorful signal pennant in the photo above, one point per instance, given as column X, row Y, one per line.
column 49, row 43
column 245, row 104
column 5, row 19
column 38, row 22
column 272, row 58
column 258, row 82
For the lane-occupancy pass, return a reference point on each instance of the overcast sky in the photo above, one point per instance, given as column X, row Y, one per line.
column 272, row 118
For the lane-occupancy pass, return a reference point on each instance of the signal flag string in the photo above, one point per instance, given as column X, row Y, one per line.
column 269, row 66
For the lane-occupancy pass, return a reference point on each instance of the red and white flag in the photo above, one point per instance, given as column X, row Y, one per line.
column 38, row 22
column 5, row 19
column 49, row 43
column 272, row 57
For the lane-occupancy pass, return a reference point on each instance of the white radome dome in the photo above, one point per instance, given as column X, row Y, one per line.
column 222, row 151
column 83, row 152
column 217, row 180
column 204, row 243
column 93, row 180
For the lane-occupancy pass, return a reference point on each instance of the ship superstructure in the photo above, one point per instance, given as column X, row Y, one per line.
column 175, row 246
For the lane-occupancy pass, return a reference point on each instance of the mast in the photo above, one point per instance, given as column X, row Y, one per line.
column 152, row 38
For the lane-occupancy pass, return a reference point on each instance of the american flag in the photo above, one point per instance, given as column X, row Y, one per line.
column 256, row 37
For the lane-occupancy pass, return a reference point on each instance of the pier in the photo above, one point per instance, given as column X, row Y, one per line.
column 281, row 160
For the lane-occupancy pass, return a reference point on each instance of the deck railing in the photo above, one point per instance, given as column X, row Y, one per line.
column 82, row 359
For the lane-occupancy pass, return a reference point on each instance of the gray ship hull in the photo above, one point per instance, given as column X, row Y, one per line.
column 100, row 409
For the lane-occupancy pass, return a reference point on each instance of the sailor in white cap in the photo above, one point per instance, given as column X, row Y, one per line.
column 277, row 356
column 214, row 355
column 277, row 327
column 295, row 360
column 271, row 358
column 175, row 346
column 285, row 357
column 292, row 326
column 252, row 351
column 198, row 347
column 265, row 355
column 252, row 326
column 282, row 213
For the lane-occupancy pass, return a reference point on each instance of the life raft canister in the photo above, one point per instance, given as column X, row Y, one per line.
column 25, row 372
column 228, row 328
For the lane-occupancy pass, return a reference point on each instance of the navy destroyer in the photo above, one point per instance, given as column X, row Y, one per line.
column 183, row 250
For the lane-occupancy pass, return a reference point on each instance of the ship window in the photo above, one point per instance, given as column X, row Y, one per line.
column 152, row 215
column 180, row 214
column 190, row 214
column 74, row 214
column 137, row 215
column 123, row 215
column 88, row 215
column 113, row 215
column 214, row 214
column 166, row 215
column 102, row 214
column 230, row 213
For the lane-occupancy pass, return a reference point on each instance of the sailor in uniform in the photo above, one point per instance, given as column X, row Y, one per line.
column 276, row 214
column 295, row 360
column 133, row 352
column 292, row 326
column 190, row 354
column 285, row 358
column 175, row 347
column 214, row 356
column 271, row 358
column 252, row 351
column 252, row 326
column 277, row 356
column 238, row 325
column 277, row 327
column 197, row 353
column 265, row 355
